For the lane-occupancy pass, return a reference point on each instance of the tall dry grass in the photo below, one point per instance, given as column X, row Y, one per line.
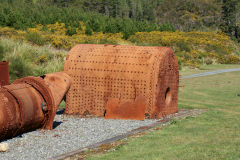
column 28, row 60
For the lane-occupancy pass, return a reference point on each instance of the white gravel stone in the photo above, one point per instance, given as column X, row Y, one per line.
column 69, row 134
column 4, row 147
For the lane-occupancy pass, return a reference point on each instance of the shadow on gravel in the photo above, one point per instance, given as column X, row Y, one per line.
column 18, row 136
column 60, row 111
column 56, row 124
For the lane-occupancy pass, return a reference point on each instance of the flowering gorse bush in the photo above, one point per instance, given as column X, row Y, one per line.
column 192, row 48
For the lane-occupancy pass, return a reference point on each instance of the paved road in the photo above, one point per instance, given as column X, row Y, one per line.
column 210, row 73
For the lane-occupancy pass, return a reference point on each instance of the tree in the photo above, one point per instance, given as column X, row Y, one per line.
column 28, row 1
column 88, row 30
column 229, row 17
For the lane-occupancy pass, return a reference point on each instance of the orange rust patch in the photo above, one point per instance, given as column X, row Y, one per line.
column 126, row 110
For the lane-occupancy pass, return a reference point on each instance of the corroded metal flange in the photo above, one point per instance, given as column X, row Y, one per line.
column 4, row 73
column 9, row 117
column 50, row 110
column 31, row 103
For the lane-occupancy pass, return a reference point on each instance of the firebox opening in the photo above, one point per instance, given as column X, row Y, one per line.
column 168, row 96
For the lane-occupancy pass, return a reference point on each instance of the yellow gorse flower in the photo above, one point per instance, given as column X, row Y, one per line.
column 192, row 48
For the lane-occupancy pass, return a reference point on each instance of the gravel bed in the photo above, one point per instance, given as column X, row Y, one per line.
column 70, row 133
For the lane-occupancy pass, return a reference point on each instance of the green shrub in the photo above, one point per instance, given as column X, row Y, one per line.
column 19, row 67
column 215, row 48
column 1, row 52
column 183, row 46
column 105, row 41
column 208, row 60
column 39, row 71
column 42, row 59
column 167, row 27
column 192, row 64
column 60, row 55
column 179, row 64
column 35, row 38
column 44, row 28
column 88, row 31
column 27, row 60
column 71, row 31
column 229, row 59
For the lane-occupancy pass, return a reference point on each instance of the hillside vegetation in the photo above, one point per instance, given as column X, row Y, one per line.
column 27, row 60
column 126, row 16
column 192, row 48
column 200, row 32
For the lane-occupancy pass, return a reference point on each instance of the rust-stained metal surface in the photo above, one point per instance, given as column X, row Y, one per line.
column 58, row 83
column 106, row 77
column 53, row 88
column 126, row 110
column 29, row 103
column 4, row 73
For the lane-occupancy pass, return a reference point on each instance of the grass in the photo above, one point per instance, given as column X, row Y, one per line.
column 213, row 135
column 28, row 60
column 206, row 68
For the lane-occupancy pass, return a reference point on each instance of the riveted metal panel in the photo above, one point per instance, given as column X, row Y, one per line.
column 102, row 73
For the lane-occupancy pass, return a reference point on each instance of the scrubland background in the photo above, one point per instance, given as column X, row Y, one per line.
column 37, row 34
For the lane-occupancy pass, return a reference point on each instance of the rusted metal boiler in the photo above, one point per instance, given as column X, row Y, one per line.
column 31, row 103
column 122, row 82
column 4, row 74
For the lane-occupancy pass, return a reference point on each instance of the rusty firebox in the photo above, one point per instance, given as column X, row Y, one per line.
column 124, row 82
column 4, row 73
column 30, row 103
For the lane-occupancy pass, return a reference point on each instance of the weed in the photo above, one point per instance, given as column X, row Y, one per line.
column 42, row 59
column 27, row 60
column 71, row 31
column 167, row 27
column 215, row 48
column 35, row 38
column 208, row 61
column 1, row 52
column 19, row 67
column 183, row 46
column 173, row 121
column 88, row 31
